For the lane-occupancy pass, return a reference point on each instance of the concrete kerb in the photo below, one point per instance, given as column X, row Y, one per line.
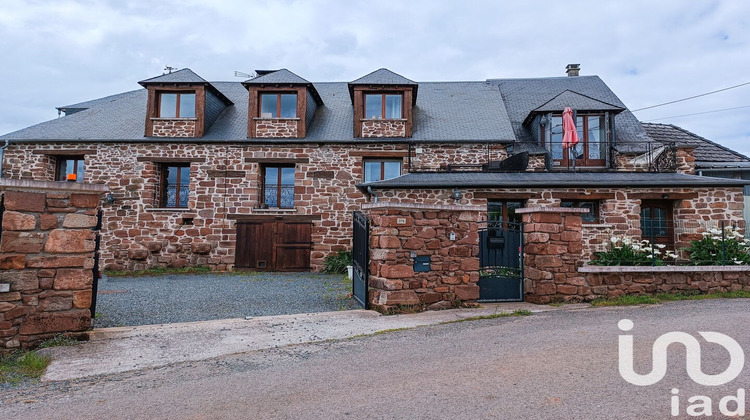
column 122, row 349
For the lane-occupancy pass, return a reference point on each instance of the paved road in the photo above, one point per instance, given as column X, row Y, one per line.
column 125, row 301
column 553, row 365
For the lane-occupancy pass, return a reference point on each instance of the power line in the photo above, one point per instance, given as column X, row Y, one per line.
column 692, row 97
column 700, row 113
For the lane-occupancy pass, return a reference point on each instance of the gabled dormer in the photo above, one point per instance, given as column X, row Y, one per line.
column 181, row 104
column 594, row 121
column 282, row 104
column 383, row 102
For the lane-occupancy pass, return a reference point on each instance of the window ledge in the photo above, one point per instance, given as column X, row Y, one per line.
column 274, row 211
column 174, row 119
column 382, row 119
column 165, row 209
column 274, row 118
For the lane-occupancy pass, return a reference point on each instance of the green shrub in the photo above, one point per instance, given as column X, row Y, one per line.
column 336, row 263
column 625, row 251
column 709, row 250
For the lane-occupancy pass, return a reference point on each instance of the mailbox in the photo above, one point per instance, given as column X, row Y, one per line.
column 422, row 264
column 497, row 243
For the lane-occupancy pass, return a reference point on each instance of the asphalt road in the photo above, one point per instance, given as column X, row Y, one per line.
column 553, row 365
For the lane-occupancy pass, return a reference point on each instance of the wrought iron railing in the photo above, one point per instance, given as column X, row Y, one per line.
column 281, row 196
column 631, row 156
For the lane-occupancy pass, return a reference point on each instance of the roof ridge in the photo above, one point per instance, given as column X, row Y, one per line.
column 709, row 141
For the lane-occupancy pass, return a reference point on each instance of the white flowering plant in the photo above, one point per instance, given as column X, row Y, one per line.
column 626, row 251
column 709, row 250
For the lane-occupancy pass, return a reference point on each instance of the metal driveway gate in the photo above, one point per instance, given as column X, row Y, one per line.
column 360, row 257
column 501, row 262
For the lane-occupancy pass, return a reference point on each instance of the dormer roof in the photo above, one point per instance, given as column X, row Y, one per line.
column 184, row 77
column 282, row 77
column 383, row 77
column 574, row 100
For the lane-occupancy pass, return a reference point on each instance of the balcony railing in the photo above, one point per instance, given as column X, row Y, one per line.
column 590, row 156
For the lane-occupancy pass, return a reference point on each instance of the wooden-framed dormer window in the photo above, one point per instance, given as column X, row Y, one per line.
column 176, row 105
column 278, row 105
column 593, row 134
column 384, row 106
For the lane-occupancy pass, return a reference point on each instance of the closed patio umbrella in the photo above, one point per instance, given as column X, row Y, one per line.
column 570, row 134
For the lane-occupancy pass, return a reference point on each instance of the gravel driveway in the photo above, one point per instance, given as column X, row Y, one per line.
column 124, row 301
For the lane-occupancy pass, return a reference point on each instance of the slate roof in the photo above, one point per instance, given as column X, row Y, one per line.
column 549, row 179
column 706, row 152
column 521, row 96
column 282, row 76
column 383, row 77
column 447, row 112
column 180, row 76
column 576, row 101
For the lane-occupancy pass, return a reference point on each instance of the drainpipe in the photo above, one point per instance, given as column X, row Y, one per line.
column 2, row 155
column 369, row 191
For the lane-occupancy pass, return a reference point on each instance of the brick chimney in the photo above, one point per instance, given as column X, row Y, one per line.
column 572, row 69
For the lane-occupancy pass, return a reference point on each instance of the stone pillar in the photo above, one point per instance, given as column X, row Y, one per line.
column 552, row 253
column 447, row 234
column 686, row 159
column 46, row 259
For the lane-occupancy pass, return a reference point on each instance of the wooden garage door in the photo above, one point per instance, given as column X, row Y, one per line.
column 274, row 245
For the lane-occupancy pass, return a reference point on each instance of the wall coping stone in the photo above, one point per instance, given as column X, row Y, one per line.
column 413, row 206
column 527, row 210
column 27, row 184
column 662, row 269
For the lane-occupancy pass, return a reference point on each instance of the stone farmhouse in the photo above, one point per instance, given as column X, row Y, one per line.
column 267, row 174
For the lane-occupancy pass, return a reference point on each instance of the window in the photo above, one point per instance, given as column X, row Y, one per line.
column 656, row 222
column 177, row 105
column 384, row 105
column 380, row 170
column 591, row 151
column 278, row 105
column 175, row 186
column 504, row 211
column 68, row 165
column 278, row 186
column 592, row 216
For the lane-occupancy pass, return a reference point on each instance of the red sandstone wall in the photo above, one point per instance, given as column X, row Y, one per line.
column 46, row 262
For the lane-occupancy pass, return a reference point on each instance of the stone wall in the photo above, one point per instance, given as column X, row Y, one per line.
column 276, row 127
column 552, row 252
column 174, row 127
column 46, row 259
column 617, row 281
column 383, row 128
column 447, row 234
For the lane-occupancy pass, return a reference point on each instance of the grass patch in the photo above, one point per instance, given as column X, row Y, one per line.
column 58, row 340
column 158, row 271
column 631, row 300
column 18, row 366
column 517, row 312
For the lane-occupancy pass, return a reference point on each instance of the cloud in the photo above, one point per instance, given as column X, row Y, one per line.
column 65, row 51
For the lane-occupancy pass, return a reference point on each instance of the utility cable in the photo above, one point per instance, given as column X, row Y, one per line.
column 699, row 113
column 692, row 97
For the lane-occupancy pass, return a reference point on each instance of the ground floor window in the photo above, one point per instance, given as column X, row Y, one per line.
column 656, row 222
column 504, row 211
column 175, row 186
column 278, row 186
column 592, row 216
column 380, row 170
column 69, row 167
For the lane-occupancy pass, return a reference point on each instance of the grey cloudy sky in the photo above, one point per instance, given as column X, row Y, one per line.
column 63, row 51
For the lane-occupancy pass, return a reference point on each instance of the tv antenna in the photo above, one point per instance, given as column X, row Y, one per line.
column 245, row 75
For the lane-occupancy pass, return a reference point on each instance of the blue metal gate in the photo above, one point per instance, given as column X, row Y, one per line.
column 360, row 257
column 501, row 262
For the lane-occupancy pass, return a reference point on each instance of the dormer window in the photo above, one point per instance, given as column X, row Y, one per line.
column 278, row 105
column 177, row 105
column 384, row 106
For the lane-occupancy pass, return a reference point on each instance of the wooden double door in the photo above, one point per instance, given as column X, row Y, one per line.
column 273, row 245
